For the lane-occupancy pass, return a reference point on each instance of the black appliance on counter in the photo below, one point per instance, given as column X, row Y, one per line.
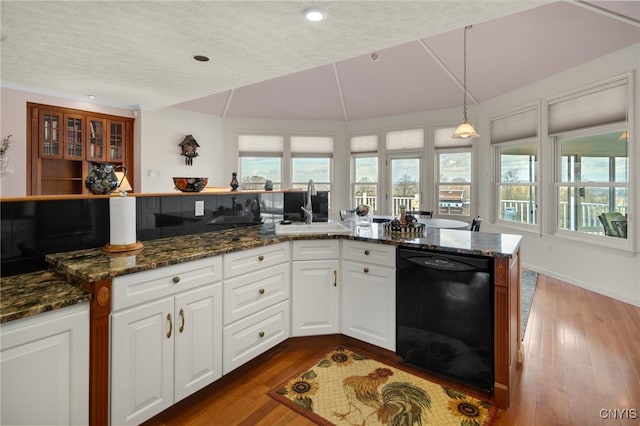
column 444, row 315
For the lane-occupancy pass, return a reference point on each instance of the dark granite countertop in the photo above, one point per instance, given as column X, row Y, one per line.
column 33, row 293
column 37, row 292
column 95, row 264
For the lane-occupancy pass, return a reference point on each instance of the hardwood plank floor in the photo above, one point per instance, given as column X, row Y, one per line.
column 582, row 355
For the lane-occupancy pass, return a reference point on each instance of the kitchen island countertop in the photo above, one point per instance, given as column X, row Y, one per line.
column 95, row 264
column 33, row 293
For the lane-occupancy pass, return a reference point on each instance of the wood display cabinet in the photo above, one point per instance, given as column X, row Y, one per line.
column 64, row 140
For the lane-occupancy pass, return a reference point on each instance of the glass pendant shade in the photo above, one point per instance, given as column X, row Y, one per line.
column 465, row 131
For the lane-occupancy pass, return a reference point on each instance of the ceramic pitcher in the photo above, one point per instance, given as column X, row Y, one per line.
column 102, row 178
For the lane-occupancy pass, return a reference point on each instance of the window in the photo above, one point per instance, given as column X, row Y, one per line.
column 591, row 145
column 405, row 149
column 311, row 158
column 515, row 139
column 260, row 158
column 593, row 179
column 518, row 182
column 453, row 167
column 364, row 155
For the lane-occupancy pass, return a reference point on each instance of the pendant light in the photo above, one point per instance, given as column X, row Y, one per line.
column 465, row 130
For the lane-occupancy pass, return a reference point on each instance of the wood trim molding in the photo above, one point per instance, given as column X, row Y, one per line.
column 100, row 310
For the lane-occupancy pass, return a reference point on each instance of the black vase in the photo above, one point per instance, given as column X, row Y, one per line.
column 234, row 181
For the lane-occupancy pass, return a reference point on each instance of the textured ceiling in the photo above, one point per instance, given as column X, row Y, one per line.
column 268, row 62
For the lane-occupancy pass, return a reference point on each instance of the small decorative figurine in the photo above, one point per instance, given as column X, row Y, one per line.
column 189, row 148
column 268, row 185
column 234, row 181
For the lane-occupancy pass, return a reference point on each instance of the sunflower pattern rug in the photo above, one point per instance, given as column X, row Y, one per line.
column 346, row 387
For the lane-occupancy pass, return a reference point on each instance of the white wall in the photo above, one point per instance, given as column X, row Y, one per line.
column 158, row 157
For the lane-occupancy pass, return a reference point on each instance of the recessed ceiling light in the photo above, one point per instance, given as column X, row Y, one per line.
column 201, row 58
column 314, row 15
column 91, row 96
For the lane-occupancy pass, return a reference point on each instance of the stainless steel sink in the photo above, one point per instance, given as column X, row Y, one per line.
column 329, row 227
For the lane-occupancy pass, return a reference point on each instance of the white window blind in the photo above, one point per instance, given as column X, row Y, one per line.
column 602, row 105
column 443, row 139
column 364, row 143
column 516, row 126
column 256, row 145
column 405, row 139
column 304, row 146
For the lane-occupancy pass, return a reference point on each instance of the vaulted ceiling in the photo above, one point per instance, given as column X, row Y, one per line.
column 268, row 62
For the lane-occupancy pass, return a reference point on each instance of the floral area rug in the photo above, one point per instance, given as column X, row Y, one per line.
column 346, row 387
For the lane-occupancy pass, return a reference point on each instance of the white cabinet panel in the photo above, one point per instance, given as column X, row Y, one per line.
column 249, row 337
column 129, row 290
column 315, row 290
column 198, row 359
column 44, row 368
column 164, row 348
column 316, row 249
column 142, row 362
column 241, row 262
column 254, row 291
column 372, row 253
column 368, row 300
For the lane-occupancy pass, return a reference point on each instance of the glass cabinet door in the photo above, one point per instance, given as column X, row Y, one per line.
column 73, row 144
column 96, row 139
column 50, row 137
column 116, row 140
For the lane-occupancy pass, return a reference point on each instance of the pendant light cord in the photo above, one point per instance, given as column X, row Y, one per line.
column 464, row 103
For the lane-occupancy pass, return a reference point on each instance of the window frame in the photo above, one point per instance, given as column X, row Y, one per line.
column 498, row 184
column 438, row 182
column 557, row 182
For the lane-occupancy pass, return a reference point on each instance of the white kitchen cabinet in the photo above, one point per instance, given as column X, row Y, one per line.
column 44, row 368
column 164, row 349
column 256, row 293
column 315, row 287
column 369, row 292
column 247, row 338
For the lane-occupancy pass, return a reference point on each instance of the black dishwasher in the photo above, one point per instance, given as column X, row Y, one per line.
column 444, row 315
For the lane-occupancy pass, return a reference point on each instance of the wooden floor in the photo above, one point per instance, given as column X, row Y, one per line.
column 582, row 356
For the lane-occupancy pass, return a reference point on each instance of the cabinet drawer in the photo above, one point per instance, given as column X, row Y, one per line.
column 245, row 261
column 251, row 336
column 316, row 249
column 370, row 253
column 254, row 291
column 144, row 286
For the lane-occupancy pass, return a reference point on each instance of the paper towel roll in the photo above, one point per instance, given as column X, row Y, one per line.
column 122, row 218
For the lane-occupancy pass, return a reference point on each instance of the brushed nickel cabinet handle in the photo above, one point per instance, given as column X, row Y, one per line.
column 335, row 278
column 182, row 316
column 176, row 280
column 366, row 252
column 170, row 318
column 261, row 334
column 260, row 258
column 366, row 270
column 261, row 291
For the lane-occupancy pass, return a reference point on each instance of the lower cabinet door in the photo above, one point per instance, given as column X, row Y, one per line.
column 247, row 338
column 369, row 303
column 142, row 361
column 44, row 368
column 315, row 290
column 198, row 340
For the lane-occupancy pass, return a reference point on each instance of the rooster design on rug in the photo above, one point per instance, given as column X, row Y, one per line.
column 397, row 404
